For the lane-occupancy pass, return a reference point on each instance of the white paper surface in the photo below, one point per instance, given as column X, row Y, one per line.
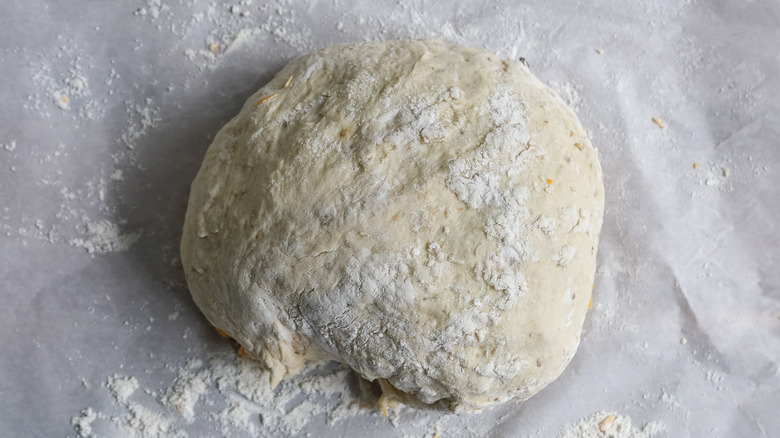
column 685, row 325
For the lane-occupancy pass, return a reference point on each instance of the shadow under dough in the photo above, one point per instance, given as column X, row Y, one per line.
column 152, row 197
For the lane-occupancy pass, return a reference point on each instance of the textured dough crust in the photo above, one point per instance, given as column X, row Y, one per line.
column 424, row 212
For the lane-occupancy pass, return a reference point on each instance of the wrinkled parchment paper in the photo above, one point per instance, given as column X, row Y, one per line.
column 108, row 109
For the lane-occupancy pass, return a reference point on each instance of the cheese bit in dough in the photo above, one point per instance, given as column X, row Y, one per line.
column 269, row 98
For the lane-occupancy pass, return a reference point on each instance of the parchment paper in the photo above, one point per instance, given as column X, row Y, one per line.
column 685, row 324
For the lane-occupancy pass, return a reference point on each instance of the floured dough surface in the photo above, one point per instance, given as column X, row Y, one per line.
column 424, row 212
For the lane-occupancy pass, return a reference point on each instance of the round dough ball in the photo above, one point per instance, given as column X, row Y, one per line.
column 425, row 213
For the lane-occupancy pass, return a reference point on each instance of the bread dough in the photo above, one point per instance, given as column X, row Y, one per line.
column 425, row 213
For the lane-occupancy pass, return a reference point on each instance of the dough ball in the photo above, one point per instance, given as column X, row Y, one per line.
column 425, row 213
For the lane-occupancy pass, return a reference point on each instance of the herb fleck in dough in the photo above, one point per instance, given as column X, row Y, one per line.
column 424, row 212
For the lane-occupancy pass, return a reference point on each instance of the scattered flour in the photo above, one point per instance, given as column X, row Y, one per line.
column 187, row 390
column 104, row 236
column 152, row 9
column 122, row 387
column 569, row 93
column 603, row 424
column 231, row 396
column 235, row 395
column 235, row 27
column 62, row 82
column 83, row 423
column 140, row 421
column 140, row 119
column 10, row 146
